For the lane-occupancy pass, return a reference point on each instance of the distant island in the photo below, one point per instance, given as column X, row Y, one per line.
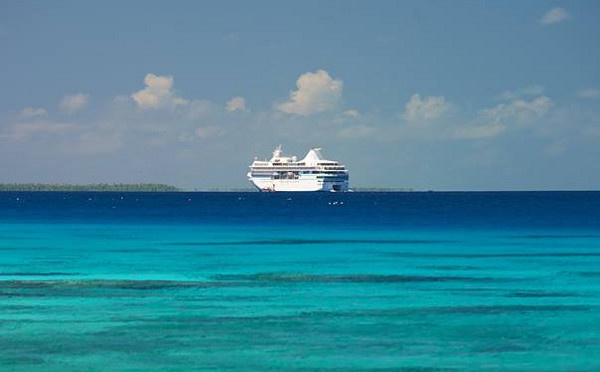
column 381, row 189
column 144, row 187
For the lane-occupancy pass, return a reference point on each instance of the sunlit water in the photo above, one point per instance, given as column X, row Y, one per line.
column 299, row 282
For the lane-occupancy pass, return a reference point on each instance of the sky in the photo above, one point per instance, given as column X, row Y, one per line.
column 429, row 95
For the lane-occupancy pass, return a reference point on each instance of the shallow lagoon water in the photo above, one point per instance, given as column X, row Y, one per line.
column 300, row 282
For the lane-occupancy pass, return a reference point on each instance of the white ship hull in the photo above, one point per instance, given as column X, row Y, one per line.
column 271, row 185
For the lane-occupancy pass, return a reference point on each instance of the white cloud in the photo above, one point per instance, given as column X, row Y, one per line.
column 429, row 108
column 589, row 93
column 554, row 16
column 497, row 120
column 520, row 110
column 157, row 93
column 317, row 92
column 30, row 112
column 22, row 131
column 531, row 90
column 236, row 104
column 74, row 102
column 356, row 131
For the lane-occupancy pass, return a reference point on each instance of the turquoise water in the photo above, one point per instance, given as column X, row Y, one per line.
column 259, row 282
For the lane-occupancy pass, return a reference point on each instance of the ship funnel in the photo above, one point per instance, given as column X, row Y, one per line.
column 313, row 156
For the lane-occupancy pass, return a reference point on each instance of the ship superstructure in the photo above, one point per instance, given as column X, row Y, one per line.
column 287, row 173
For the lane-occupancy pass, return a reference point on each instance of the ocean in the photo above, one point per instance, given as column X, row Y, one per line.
column 432, row 281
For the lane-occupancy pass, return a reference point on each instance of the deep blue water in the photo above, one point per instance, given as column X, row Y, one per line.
column 300, row 282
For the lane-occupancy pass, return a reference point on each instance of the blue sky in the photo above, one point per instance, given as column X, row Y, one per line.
column 442, row 95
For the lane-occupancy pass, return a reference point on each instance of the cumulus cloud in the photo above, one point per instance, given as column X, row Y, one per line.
column 236, row 104
column 30, row 112
column 589, row 93
column 429, row 108
column 157, row 93
column 520, row 110
column 495, row 121
column 317, row 92
column 73, row 102
column 356, row 131
column 554, row 15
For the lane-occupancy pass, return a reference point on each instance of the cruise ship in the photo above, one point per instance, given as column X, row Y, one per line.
column 287, row 173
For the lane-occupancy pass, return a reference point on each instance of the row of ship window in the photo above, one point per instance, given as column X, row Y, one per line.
column 295, row 176
column 296, row 164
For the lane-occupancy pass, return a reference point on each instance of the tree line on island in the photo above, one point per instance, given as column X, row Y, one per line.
column 148, row 187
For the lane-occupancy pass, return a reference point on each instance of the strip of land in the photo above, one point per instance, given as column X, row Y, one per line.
column 148, row 187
